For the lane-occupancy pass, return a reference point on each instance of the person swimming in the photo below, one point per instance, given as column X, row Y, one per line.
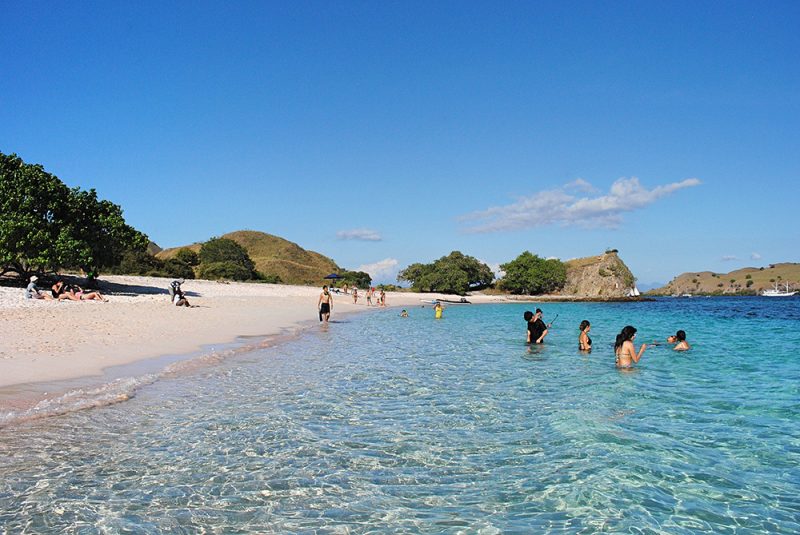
column 624, row 350
column 682, row 344
column 584, row 342
column 404, row 313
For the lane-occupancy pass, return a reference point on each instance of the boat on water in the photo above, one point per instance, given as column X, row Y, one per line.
column 462, row 301
column 634, row 292
column 776, row 292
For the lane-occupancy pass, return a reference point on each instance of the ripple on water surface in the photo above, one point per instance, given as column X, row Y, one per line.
column 414, row 425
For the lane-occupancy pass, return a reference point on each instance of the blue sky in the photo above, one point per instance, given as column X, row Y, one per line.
column 386, row 133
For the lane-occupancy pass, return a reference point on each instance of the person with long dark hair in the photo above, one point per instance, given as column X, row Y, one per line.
column 584, row 342
column 624, row 349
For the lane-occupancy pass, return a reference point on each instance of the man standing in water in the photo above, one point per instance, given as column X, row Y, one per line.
column 325, row 304
column 537, row 330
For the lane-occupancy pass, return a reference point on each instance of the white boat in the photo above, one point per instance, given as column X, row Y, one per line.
column 634, row 292
column 775, row 292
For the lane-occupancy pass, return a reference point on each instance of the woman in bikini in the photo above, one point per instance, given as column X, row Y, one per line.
column 624, row 349
column 584, row 342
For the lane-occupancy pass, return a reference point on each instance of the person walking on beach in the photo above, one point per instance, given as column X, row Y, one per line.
column 584, row 342
column 682, row 344
column 355, row 295
column 369, row 296
column 325, row 304
column 624, row 350
column 383, row 298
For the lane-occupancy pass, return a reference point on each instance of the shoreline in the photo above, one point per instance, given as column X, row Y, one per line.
column 49, row 348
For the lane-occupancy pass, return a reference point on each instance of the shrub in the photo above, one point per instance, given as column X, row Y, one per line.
column 224, row 250
column 749, row 283
column 175, row 268
column 603, row 273
column 187, row 256
column 748, row 277
column 138, row 263
column 224, row 270
column 268, row 278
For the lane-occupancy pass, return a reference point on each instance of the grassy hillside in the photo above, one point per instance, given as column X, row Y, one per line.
column 743, row 281
column 275, row 256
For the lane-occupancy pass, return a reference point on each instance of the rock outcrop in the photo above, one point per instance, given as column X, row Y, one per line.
column 604, row 277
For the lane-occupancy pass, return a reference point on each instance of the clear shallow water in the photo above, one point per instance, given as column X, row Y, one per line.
column 385, row 424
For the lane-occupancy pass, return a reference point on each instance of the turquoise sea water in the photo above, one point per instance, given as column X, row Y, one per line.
column 384, row 424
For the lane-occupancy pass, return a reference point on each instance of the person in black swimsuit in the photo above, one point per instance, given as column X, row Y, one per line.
column 584, row 342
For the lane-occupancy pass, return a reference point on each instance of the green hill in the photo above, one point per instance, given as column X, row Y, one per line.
column 275, row 256
column 743, row 281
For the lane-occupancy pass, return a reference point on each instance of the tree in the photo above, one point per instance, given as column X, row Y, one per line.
column 224, row 270
column 530, row 275
column 358, row 279
column 455, row 273
column 187, row 256
column 44, row 225
column 221, row 258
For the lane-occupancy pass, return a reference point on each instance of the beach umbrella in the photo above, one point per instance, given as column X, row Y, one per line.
column 333, row 276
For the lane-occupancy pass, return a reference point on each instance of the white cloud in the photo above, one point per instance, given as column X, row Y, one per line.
column 755, row 256
column 729, row 257
column 382, row 270
column 560, row 206
column 362, row 234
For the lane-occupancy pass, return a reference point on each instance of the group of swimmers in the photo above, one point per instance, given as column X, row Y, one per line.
column 61, row 292
column 624, row 349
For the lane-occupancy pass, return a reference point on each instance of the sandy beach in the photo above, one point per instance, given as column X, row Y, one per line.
column 44, row 341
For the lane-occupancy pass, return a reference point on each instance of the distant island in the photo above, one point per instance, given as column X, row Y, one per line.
column 745, row 281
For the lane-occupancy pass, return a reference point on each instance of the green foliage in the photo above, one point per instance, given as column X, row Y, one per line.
column 603, row 273
column 178, row 269
column 530, row 275
column 138, row 263
column 224, row 270
column 225, row 250
column 748, row 277
column 268, row 278
column 455, row 273
column 221, row 258
column 143, row 263
column 749, row 283
column 44, row 225
column 358, row 279
column 187, row 256
column 388, row 287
